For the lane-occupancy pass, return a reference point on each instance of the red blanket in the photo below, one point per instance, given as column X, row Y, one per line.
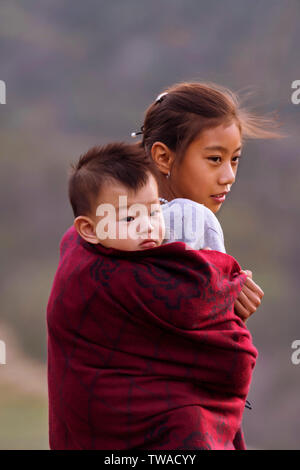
column 144, row 349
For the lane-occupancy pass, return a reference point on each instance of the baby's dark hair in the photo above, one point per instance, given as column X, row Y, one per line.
column 127, row 164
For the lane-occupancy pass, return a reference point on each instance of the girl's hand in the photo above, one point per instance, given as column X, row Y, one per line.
column 249, row 299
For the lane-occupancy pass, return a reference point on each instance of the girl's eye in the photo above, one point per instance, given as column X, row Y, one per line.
column 236, row 159
column 215, row 159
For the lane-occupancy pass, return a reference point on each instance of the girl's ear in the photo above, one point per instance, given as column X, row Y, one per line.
column 163, row 157
column 85, row 228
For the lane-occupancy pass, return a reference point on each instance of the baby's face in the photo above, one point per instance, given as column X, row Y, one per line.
column 128, row 220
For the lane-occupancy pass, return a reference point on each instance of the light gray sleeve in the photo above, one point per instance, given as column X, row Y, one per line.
column 192, row 223
column 213, row 234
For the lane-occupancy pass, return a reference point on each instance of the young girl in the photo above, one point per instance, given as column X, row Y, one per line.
column 194, row 132
column 144, row 348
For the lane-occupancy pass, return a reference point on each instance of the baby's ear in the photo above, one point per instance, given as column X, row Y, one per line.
column 85, row 228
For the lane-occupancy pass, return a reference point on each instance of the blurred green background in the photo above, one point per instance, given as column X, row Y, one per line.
column 82, row 73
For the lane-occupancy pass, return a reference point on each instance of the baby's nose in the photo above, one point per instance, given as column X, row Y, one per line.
column 147, row 225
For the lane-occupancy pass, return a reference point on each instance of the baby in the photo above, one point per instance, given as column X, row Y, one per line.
column 114, row 196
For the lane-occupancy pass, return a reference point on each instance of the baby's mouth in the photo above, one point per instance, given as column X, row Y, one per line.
column 149, row 243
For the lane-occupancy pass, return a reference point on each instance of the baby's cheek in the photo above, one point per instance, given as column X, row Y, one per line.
column 122, row 231
column 127, row 245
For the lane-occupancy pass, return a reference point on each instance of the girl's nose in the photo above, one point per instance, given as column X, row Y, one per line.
column 227, row 175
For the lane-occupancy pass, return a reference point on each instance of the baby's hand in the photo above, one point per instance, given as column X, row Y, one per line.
column 249, row 298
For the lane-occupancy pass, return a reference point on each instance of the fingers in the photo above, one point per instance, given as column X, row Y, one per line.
column 249, row 298
column 247, row 272
column 254, row 287
column 251, row 284
column 251, row 303
column 253, row 297
column 241, row 311
column 206, row 248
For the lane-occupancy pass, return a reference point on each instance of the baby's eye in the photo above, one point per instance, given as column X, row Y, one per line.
column 129, row 218
column 154, row 213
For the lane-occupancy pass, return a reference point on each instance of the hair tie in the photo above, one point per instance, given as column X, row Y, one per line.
column 135, row 134
column 160, row 97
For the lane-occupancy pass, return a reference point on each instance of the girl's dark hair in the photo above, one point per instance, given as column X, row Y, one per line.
column 186, row 109
column 124, row 163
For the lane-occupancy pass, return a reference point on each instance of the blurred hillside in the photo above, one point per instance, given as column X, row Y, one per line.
column 82, row 73
column 23, row 410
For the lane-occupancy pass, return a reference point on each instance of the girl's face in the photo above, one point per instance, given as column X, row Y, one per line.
column 209, row 166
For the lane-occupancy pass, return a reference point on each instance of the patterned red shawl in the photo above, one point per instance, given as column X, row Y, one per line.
column 144, row 349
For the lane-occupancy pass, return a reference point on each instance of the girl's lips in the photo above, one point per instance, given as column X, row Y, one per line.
column 219, row 197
